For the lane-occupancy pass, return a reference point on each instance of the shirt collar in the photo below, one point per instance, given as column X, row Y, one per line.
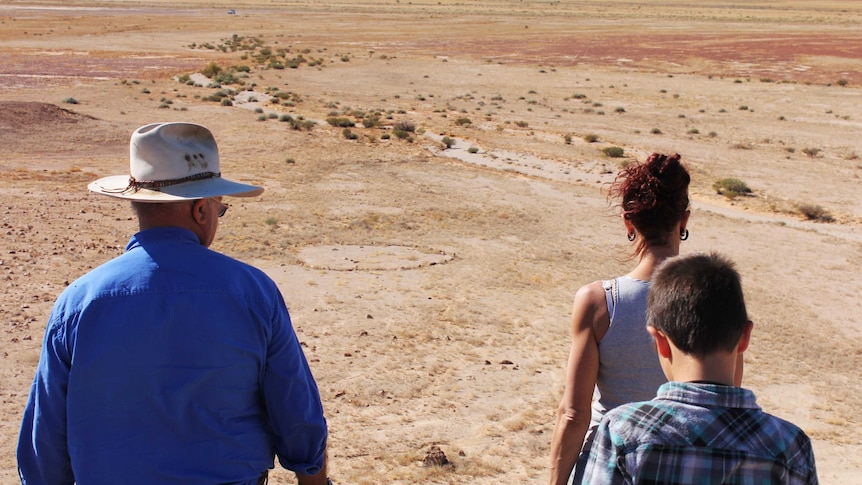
column 708, row 394
column 162, row 234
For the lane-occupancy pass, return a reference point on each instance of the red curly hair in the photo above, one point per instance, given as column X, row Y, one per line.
column 654, row 197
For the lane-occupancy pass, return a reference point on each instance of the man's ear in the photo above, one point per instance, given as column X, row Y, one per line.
column 745, row 339
column 199, row 211
column 662, row 345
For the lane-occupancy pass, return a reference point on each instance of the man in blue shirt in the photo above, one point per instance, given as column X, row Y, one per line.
column 172, row 363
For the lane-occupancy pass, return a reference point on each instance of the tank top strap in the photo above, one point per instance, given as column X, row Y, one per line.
column 611, row 295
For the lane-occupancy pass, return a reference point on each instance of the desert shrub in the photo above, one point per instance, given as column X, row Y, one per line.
column 289, row 161
column 226, row 102
column 349, row 134
column 693, row 131
column 404, row 126
column 655, row 131
column 842, row 82
column 449, row 142
column 185, row 79
column 620, row 109
column 385, row 136
column 731, row 187
column 145, row 91
column 713, row 134
column 567, row 139
column 463, row 121
column 579, row 96
column 272, row 116
column 743, row 108
column 371, row 121
column 814, row 212
column 227, row 77
column 261, row 118
column 340, row 122
column 258, row 110
column 211, row 70
column 70, row 101
column 591, row 138
column 613, row 152
column 473, row 150
column 400, row 134
column 811, row 152
column 164, row 106
column 522, row 124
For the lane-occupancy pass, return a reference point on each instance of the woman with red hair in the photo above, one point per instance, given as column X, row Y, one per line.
column 612, row 360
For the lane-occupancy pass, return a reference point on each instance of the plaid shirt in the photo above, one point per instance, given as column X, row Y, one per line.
column 700, row 434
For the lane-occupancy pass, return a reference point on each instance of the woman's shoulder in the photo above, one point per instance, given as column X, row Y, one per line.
column 592, row 296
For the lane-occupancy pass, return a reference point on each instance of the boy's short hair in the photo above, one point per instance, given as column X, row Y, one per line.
column 696, row 300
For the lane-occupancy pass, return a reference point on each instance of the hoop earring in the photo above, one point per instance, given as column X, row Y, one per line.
column 631, row 236
column 683, row 235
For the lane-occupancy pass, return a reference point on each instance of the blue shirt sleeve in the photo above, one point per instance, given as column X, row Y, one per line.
column 292, row 400
column 43, row 457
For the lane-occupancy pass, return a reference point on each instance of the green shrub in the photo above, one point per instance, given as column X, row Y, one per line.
column 349, row 134
column 473, row 150
column 463, row 121
column 404, row 126
column 614, row 152
column 449, row 142
column 731, row 187
column 591, row 138
column 211, row 70
column 226, row 102
column 400, row 134
column 814, row 212
column 340, row 122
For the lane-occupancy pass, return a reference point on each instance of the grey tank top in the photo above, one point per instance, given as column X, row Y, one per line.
column 628, row 366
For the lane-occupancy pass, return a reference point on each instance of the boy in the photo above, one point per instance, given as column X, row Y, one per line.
column 701, row 428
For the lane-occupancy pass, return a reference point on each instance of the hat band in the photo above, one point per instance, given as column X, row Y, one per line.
column 157, row 184
column 135, row 185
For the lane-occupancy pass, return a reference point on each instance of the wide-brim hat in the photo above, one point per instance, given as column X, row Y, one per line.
column 171, row 162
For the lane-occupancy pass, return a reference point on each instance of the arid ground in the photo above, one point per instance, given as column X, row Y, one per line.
column 431, row 286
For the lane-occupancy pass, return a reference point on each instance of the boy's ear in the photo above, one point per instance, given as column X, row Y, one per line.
column 745, row 339
column 662, row 345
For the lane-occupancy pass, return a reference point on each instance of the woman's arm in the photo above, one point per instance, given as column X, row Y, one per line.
column 590, row 321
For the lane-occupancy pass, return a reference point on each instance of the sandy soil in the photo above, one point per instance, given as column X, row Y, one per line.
column 432, row 286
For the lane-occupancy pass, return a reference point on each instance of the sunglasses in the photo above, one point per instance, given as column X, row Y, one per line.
column 222, row 207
